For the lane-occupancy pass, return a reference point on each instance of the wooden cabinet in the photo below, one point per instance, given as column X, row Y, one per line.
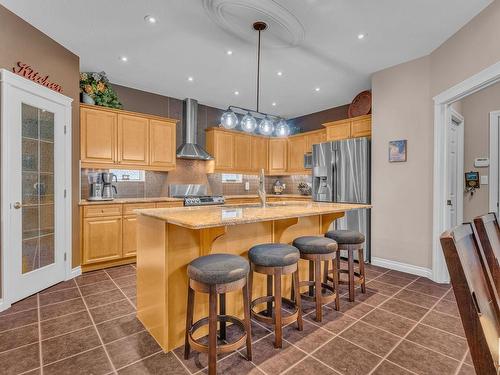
column 162, row 143
column 242, row 152
column 129, row 222
column 259, row 153
column 314, row 137
column 133, row 140
column 277, row 156
column 111, row 138
column 220, row 144
column 97, row 136
column 297, row 147
column 102, row 239
column 350, row 128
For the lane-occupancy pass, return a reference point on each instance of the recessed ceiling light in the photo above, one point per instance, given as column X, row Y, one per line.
column 124, row 58
column 150, row 19
column 317, row 89
column 229, row 52
column 361, row 36
column 190, row 79
column 273, row 104
column 280, row 73
column 236, row 93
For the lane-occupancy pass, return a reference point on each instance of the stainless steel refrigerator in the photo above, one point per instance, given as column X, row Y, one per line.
column 341, row 173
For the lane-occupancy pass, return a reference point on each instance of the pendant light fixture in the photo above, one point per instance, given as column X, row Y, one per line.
column 266, row 126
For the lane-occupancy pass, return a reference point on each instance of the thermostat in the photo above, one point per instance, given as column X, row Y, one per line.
column 481, row 162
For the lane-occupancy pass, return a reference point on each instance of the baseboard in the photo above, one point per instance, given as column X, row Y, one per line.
column 77, row 271
column 403, row 267
column 4, row 305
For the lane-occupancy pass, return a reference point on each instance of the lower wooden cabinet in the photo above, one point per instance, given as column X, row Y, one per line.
column 129, row 247
column 102, row 239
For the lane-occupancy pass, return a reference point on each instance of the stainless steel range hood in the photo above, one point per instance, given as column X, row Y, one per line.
column 189, row 149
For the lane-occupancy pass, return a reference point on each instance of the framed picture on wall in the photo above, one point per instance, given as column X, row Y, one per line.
column 397, row 151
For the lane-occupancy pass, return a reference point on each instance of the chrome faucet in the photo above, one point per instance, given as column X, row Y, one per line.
column 262, row 189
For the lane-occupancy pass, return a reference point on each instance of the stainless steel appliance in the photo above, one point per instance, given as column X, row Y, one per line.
column 108, row 189
column 195, row 195
column 95, row 186
column 342, row 173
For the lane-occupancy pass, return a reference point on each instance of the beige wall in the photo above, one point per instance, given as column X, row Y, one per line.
column 476, row 110
column 19, row 41
column 402, row 226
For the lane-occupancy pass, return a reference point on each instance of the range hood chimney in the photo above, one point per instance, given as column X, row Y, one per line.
column 189, row 149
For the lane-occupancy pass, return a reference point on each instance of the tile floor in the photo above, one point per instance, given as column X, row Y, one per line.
column 402, row 325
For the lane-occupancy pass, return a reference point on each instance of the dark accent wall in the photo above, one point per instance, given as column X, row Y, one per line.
column 19, row 41
column 154, row 104
column 313, row 121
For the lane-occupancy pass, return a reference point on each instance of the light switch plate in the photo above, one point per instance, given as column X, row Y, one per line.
column 484, row 180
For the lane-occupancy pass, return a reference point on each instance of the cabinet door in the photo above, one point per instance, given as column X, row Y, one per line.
column 296, row 150
column 129, row 236
column 341, row 130
column 315, row 138
column 162, row 144
column 242, row 153
column 259, row 153
column 223, row 150
column 133, row 139
column 98, row 136
column 102, row 239
column 361, row 127
column 277, row 156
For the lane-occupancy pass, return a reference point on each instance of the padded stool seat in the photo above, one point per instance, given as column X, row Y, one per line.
column 218, row 269
column 315, row 245
column 344, row 237
column 274, row 255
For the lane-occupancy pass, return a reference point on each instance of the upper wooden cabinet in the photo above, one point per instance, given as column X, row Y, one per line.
column 242, row 152
column 278, row 155
column 111, row 138
column 297, row 147
column 259, row 153
column 314, row 137
column 98, row 136
column 220, row 144
column 350, row 128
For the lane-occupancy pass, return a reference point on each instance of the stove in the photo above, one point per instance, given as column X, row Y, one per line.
column 195, row 195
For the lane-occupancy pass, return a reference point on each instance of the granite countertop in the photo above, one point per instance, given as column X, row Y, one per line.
column 215, row 216
column 268, row 195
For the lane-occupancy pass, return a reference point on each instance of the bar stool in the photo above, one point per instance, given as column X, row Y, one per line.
column 316, row 250
column 216, row 275
column 275, row 260
column 350, row 241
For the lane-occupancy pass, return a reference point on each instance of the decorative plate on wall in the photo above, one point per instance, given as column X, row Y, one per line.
column 361, row 105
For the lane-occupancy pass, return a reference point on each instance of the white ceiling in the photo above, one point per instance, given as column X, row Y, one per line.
column 314, row 43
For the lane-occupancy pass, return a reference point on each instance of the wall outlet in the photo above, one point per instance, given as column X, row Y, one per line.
column 484, row 180
column 247, row 186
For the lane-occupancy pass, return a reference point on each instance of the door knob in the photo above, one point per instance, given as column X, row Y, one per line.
column 448, row 202
column 17, row 205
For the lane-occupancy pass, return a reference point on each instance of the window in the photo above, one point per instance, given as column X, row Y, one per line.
column 228, row 178
column 128, row 175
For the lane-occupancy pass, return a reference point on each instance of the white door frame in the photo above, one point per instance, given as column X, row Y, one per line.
column 458, row 118
column 9, row 81
column 494, row 140
column 479, row 81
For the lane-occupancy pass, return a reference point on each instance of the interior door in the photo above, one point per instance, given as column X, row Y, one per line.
column 35, row 148
column 454, row 173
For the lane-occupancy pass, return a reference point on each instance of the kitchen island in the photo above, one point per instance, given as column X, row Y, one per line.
column 169, row 239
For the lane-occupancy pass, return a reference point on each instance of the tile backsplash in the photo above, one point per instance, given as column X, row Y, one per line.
column 291, row 183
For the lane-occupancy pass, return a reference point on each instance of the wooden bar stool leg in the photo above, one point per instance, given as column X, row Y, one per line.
column 212, row 332
column 189, row 321
column 222, row 311
column 350, row 260
column 337, row 260
column 311, row 277
column 317, row 290
column 325, row 272
column 270, row 293
column 298, row 301
column 361, row 258
column 250, row 283
column 336, row 283
column 247, row 322
column 278, row 329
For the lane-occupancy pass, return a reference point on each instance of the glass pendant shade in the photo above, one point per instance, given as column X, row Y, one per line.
column 282, row 129
column 229, row 120
column 266, row 126
column 248, row 123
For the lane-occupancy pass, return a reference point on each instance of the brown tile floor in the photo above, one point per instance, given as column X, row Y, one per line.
column 402, row 325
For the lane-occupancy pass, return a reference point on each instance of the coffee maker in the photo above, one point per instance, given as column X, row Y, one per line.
column 95, row 186
column 108, row 189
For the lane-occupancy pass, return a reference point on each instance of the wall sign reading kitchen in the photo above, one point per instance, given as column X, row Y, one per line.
column 26, row 71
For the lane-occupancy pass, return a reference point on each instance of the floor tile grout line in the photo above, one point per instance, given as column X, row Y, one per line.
column 72, row 355
column 20, row 346
column 462, row 362
column 46, row 291
column 17, row 312
column 442, row 330
column 139, row 360
column 182, row 363
column 19, row 327
column 406, row 335
column 121, row 291
column 39, row 334
column 98, row 334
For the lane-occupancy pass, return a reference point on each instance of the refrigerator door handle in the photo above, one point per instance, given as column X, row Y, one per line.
column 334, row 176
